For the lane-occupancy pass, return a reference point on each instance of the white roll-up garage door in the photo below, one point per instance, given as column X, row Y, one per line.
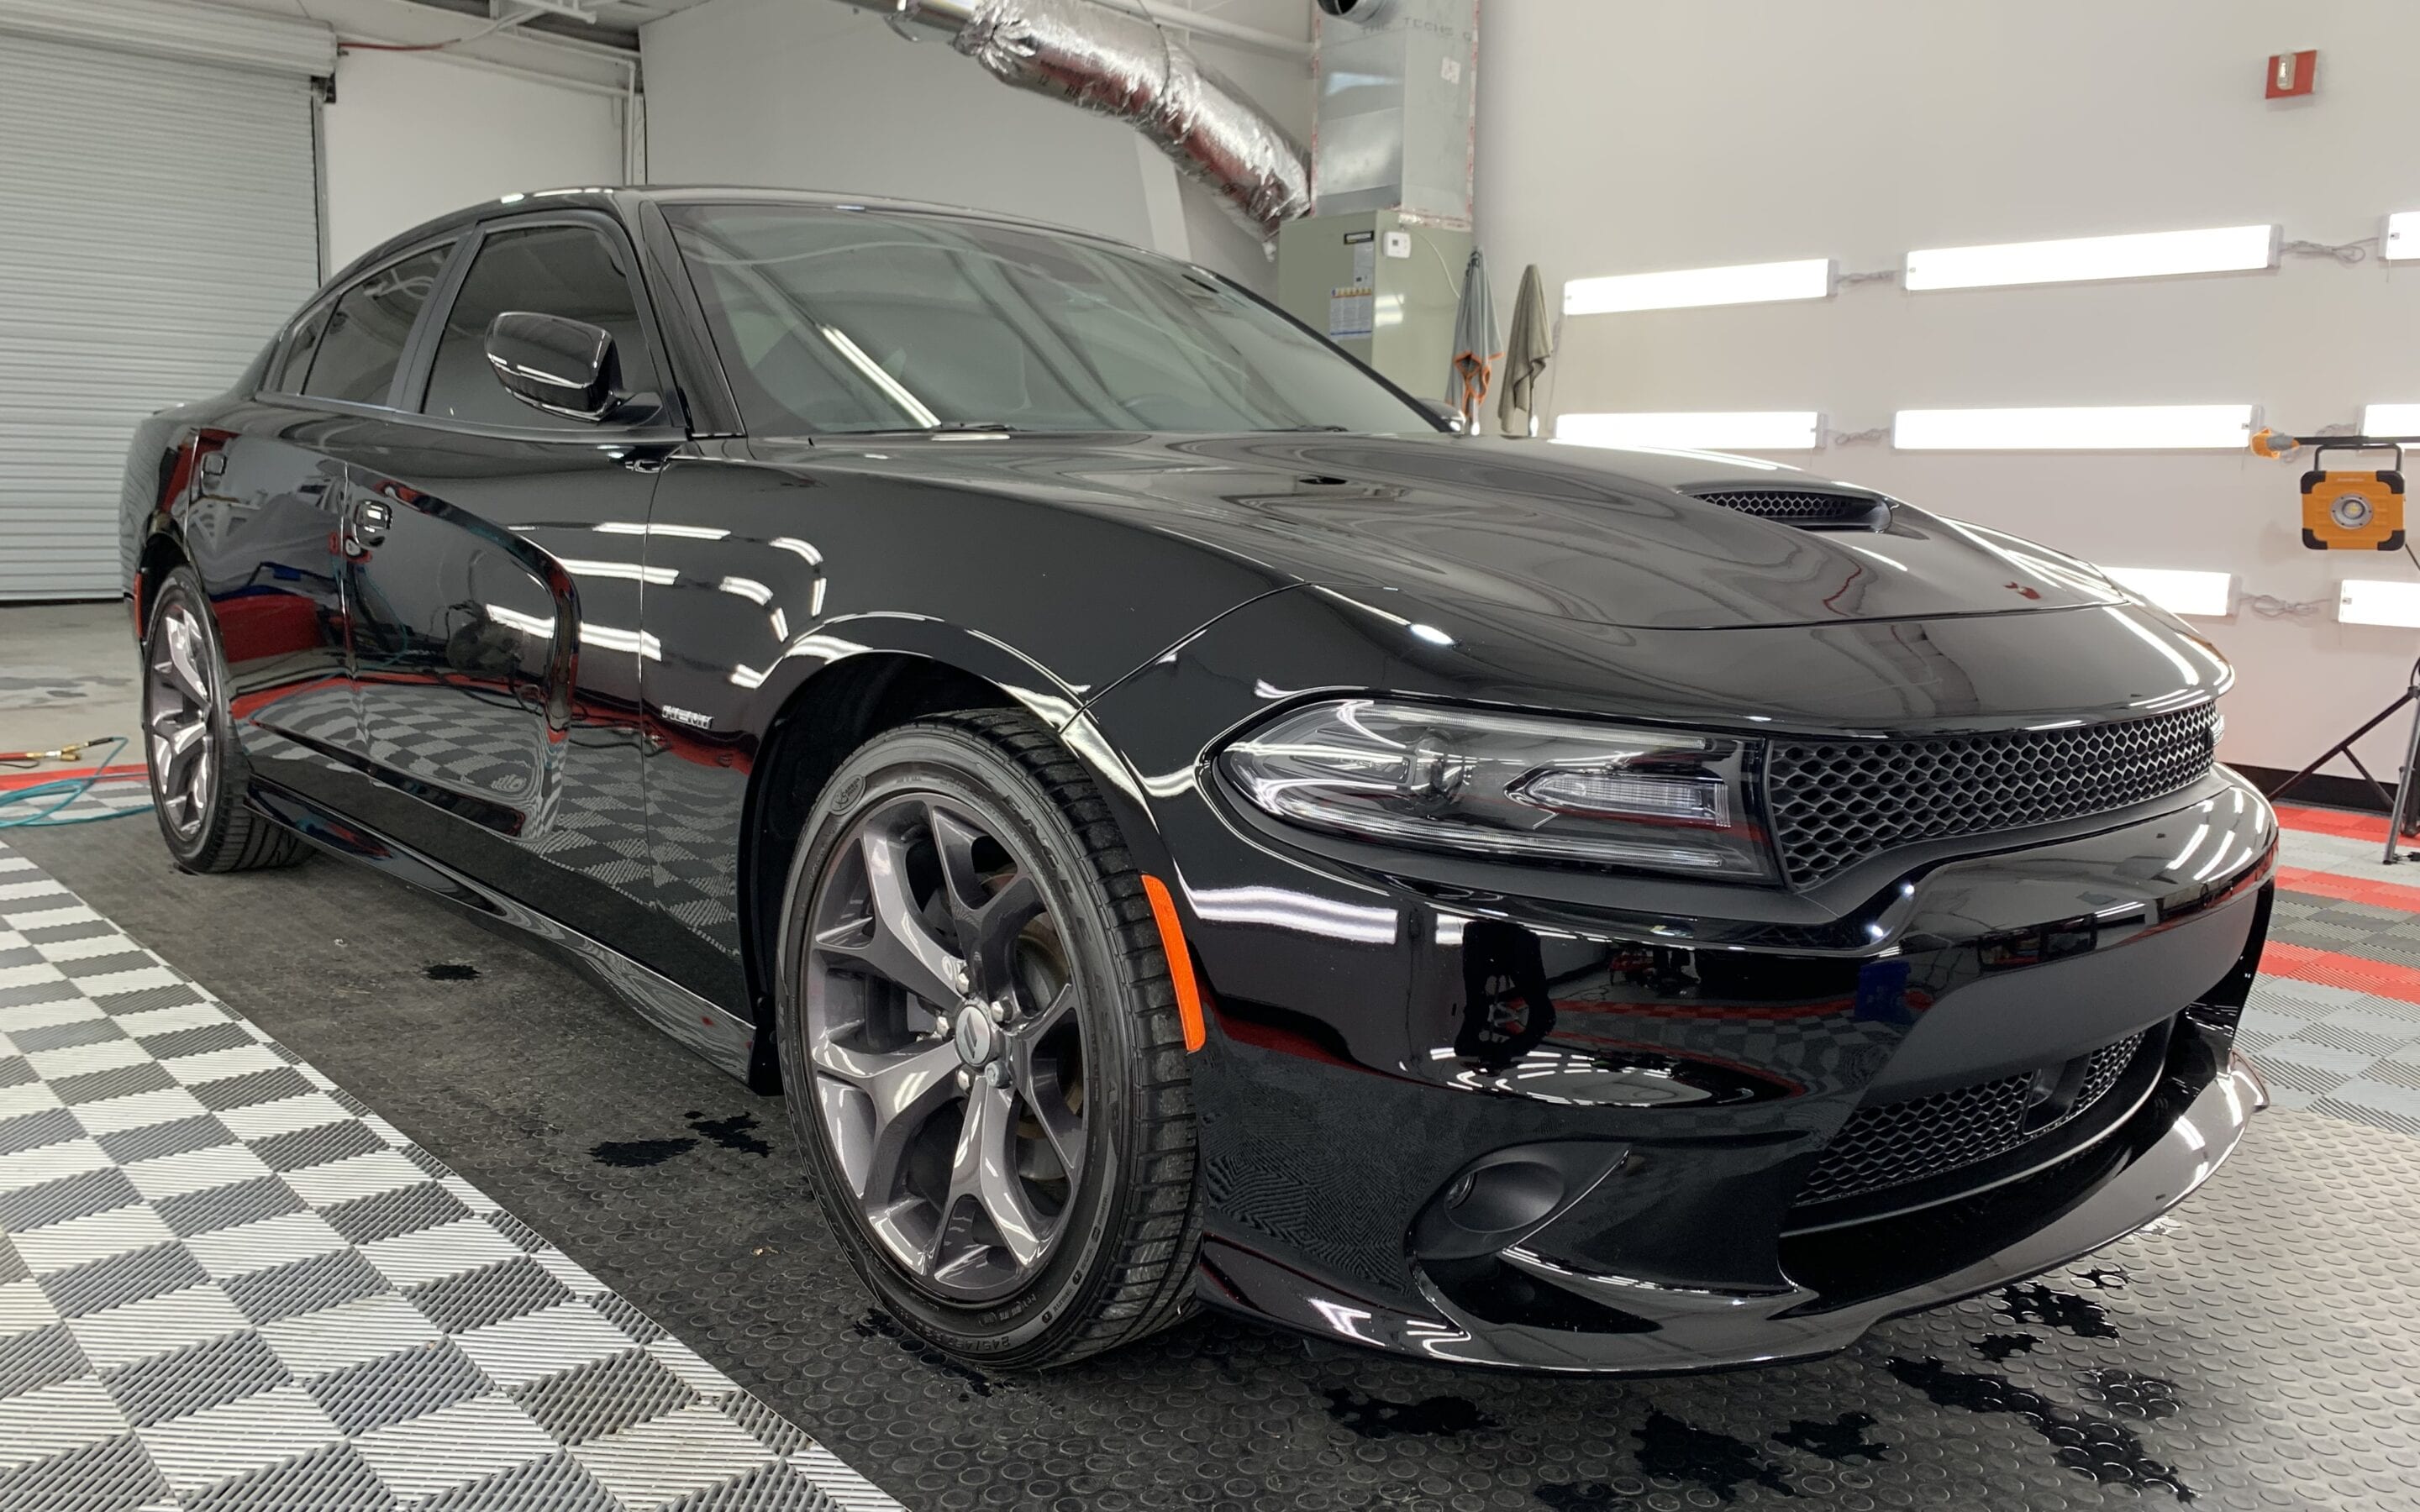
column 158, row 220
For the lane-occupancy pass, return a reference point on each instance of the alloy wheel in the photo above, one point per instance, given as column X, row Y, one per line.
column 948, row 1053
column 180, row 705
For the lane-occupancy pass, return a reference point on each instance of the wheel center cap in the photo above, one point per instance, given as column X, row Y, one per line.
column 977, row 1036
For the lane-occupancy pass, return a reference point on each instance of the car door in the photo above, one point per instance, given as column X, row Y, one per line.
column 263, row 528
column 495, row 569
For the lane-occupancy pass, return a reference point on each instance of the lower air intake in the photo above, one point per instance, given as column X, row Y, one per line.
column 1893, row 1144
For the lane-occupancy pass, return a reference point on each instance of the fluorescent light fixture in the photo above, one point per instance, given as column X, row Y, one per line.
column 2133, row 427
column 2374, row 601
column 879, row 377
column 1687, row 287
column 2402, row 236
column 2389, row 419
column 2224, row 249
column 580, row 567
column 2207, row 594
column 606, row 638
column 1745, row 430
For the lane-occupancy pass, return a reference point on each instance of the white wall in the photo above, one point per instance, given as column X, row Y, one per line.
column 416, row 134
column 1622, row 135
column 812, row 94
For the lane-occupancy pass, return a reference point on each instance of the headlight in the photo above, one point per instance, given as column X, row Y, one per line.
column 1509, row 787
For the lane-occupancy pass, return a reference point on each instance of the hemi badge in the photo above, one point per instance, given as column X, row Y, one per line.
column 687, row 716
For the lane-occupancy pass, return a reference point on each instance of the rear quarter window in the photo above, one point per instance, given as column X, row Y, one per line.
column 363, row 339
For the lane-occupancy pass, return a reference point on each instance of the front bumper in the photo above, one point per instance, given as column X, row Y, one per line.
column 2143, row 1170
column 1667, row 1083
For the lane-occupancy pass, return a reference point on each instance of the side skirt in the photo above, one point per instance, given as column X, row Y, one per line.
column 724, row 1039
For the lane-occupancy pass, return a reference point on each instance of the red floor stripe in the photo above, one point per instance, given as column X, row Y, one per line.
column 61, row 774
column 2330, row 969
column 2342, row 822
column 2405, row 896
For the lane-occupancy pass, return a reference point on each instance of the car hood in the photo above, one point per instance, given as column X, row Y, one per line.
column 1603, row 538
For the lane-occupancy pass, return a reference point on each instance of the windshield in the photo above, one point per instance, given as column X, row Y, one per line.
column 833, row 320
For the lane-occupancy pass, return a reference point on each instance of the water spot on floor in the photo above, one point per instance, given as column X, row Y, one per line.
column 1998, row 1347
column 733, row 1132
column 1376, row 1417
column 2106, row 1451
column 450, row 971
column 2129, row 1393
column 1840, row 1441
column 634, row 1154
column 873, row 1325
column 1669, row 1449
column 2061, row 1310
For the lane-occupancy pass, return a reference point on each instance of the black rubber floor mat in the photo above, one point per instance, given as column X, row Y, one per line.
column 2256, row 1349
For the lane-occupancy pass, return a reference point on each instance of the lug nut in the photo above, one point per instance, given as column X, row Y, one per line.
column 941, row 1025
column 996, row 1074
column 966, row 1078
column 1000, row 1011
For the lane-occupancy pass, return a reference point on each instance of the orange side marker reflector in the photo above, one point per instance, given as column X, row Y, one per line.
column 1179, row 963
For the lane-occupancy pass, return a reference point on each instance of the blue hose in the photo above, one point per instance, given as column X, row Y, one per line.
column 52, row 798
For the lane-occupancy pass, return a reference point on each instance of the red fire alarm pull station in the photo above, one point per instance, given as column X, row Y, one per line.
column 2294, row 73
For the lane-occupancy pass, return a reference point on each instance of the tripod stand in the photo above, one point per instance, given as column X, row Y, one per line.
column 2399, row 802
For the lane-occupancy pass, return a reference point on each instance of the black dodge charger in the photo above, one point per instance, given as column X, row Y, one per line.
column 1179, row 826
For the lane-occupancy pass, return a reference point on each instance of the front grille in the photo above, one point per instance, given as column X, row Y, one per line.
column 1836, row 802
column 1797, row 507
column 1893, row 1144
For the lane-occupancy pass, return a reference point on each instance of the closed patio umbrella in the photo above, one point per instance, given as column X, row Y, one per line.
column 1474, row 349
column 1525, row 356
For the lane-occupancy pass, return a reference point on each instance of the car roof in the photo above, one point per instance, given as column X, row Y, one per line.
column 622, row 203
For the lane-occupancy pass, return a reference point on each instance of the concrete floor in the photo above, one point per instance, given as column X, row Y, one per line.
column 67, row 675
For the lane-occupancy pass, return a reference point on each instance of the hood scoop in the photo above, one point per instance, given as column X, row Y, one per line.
column 1809, row 509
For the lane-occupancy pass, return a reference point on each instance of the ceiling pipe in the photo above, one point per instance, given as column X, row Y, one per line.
column 1177, row 19
column 1120, row 66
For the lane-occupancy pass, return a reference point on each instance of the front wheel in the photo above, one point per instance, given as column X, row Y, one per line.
column 980, row 1047
column 198, row 774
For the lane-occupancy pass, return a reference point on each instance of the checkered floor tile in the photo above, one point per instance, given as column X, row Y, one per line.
column 226, row 1285
column 2331, row 1048
column 120, row 791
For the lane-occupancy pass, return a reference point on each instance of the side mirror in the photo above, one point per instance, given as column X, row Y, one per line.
column 1449, row 414
column 563, row 366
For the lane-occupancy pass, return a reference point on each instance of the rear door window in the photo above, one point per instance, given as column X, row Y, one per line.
column 294, row 361
column 364, row 338
column 568, row 270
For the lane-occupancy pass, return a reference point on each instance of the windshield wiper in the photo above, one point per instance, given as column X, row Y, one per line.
column 945, row 427
column 1298, row 429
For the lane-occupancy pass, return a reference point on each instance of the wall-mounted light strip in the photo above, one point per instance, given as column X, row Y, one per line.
column 2205, row 594
column 2148, row 427
column 1719, row 430
column 2402, row 236
column 2224, row 249
column 1686, row 287
column 2390, row 420
column 2375, row 601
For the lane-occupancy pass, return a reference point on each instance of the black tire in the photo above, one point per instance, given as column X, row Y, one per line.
column 207, row 826
column 1125, row 1243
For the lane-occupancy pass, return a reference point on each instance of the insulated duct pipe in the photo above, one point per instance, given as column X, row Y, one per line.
column 1123, row 66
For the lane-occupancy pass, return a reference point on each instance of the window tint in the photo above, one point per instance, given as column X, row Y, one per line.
column 833, row 320
column 569, row 271
column 295, row 361
column 364, row 338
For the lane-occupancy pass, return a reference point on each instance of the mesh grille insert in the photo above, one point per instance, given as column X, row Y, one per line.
column 1836, row 802
column 1796, row 507
column 1892, row 1144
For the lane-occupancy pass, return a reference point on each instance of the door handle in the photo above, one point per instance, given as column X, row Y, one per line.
column 371, row 516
